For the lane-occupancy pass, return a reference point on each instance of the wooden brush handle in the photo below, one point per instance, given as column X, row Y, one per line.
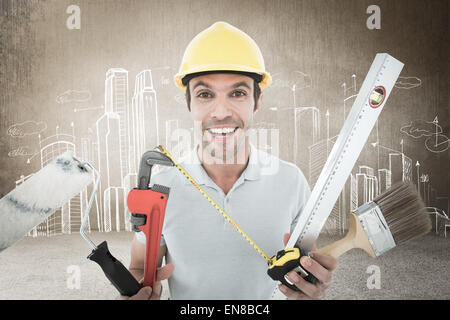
column 338, row 248
column 355, row 238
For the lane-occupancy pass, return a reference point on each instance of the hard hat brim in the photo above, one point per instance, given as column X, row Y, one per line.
column 264, row 83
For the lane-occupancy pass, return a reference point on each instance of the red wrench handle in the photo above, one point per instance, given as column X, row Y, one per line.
column 152, row 205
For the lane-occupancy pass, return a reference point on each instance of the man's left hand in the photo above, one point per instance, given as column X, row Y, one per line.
column 318, row 264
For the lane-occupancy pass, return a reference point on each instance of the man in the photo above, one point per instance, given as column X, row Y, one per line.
column 223, row 74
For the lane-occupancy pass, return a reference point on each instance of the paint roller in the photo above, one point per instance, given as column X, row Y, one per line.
column 46, row 191
column 37, row 198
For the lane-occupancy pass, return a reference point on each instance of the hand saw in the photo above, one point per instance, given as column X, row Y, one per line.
column 371, row 99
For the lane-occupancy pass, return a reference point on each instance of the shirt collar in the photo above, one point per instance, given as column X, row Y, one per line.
column 195, row 169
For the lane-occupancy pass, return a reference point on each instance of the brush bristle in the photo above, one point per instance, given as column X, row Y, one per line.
column 404, row 212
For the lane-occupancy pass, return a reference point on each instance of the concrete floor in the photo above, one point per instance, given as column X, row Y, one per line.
column 44, row 268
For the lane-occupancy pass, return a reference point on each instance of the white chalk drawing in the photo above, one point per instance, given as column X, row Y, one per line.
column 73, row 96
column 80, row 109
column 306, row 127
column 436, row 141
column 349, row 93
column 22, row 152
column 26, row 128
column 408, row 83
column 392, row 166
column 294, row 80
column 129, row 125
column 123, row 133
column 441, row 219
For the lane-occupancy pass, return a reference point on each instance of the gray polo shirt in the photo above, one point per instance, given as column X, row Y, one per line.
column 212, row 260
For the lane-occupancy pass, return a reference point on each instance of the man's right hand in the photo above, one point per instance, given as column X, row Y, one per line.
column 147, row 293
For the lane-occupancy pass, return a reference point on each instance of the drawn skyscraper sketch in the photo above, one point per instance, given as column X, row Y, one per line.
column 88, row 153
column 114, row 204
column 116, row 100
column 367, row 185
column 306, row 133
column 400, row 167
column 384, row 179
column 108, row 163
column 142, row 135
column 350, row 92
column 318, row 155
column 143, row 127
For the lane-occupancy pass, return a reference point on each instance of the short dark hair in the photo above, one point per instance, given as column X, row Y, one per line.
column 256, row 94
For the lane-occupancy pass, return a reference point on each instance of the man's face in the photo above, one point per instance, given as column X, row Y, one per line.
column 222, row 106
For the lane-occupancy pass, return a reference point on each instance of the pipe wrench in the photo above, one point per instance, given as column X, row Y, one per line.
column 147, row 206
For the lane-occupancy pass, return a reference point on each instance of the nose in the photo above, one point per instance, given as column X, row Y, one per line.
column 221, row 109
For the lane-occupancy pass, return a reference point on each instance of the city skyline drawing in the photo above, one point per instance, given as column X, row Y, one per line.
column 130, row 124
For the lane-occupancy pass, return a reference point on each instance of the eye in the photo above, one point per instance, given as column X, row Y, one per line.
column 238, row 93
column 204, row 94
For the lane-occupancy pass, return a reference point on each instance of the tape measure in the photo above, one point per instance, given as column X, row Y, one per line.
column 368, row 104
column 219, row 208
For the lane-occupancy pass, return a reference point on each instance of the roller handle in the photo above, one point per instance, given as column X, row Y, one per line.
column 115, row 271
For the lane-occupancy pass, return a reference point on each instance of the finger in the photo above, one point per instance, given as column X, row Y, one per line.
column 291, row 294
column 286, row 238
column 164, row 272
column 327, row 261
column 143, row 294
column 311, row 290
column 322, row 286
column 321, row 273
column 157, row 290
column 161, row 274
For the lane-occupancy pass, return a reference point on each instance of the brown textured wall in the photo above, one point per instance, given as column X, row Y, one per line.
column 327, row 41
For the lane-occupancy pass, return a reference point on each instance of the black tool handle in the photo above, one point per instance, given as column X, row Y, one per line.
column 115, row 271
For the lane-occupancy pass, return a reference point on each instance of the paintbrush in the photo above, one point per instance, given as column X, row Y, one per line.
column 394, row 217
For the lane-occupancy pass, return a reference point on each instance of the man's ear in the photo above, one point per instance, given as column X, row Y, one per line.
column 258, row 103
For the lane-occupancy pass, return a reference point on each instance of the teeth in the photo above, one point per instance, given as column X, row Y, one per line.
column 221, row 130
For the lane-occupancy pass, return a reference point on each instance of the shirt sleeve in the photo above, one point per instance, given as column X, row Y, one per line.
column 303, row 191
column 140, row 236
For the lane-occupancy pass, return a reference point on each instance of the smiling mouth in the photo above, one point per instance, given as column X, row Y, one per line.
column 222, row 132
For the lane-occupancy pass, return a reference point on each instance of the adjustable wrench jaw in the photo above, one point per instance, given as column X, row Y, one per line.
column 149, row 159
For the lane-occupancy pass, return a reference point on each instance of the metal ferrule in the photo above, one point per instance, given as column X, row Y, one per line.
column 376, row 228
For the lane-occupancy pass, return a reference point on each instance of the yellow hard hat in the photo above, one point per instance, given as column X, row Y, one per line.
column 222, row 47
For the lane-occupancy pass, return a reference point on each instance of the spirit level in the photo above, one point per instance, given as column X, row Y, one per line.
column 371, row 99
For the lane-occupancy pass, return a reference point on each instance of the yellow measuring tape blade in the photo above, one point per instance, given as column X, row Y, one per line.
column 163, row 150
